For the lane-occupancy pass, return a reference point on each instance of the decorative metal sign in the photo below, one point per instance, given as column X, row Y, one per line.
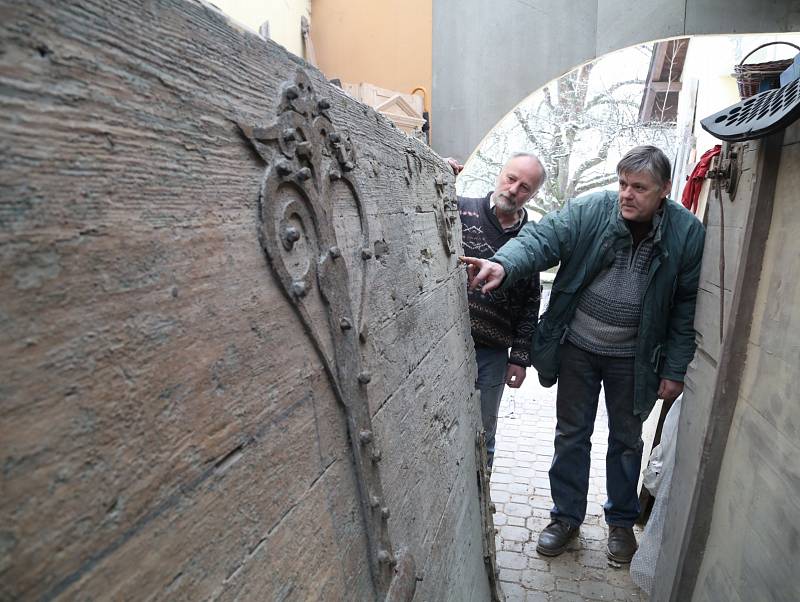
column 308, row 191
column 757, row 116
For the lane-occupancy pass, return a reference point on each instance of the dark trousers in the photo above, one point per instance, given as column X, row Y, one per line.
column 579, row 379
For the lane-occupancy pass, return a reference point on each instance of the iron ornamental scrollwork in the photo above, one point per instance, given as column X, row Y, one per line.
column 308, row 191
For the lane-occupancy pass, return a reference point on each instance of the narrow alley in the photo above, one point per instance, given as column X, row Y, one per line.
column 521, row 493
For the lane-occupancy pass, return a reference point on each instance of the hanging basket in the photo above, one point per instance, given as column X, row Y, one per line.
column 749, row 77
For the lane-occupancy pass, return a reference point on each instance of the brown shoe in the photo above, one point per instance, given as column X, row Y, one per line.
column 555, row 537
column 621, row 544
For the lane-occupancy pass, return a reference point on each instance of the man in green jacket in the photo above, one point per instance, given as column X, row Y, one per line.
column 621, row 314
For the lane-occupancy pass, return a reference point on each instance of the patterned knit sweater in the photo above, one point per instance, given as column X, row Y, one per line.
column 606, row 321
column 498, row 319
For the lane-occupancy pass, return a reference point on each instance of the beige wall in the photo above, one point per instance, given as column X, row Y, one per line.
column 284, row 18
column 386, row 43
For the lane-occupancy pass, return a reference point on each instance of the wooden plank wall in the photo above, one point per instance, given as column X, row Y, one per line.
column 168, row 429
column 696, row 417
column 751, row 550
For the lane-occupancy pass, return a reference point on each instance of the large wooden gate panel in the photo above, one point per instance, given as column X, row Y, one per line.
column 181, row 417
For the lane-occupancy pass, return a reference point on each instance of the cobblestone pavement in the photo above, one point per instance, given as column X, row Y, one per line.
column 520, row 490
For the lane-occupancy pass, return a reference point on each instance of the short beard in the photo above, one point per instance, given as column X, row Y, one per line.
column 503, row 204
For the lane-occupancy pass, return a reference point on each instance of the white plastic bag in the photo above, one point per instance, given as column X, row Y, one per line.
column 657, row 478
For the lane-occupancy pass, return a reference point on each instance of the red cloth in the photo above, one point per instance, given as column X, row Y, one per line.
column 691, row 192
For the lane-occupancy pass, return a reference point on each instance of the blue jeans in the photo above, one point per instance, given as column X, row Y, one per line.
column 492, row 364
column 579, row 381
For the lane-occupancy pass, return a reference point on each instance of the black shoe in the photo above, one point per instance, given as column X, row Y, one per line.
column 554, row 538
column 621, row 543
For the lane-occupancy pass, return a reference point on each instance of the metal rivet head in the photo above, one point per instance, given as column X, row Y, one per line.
column 299, row 288
column 324, row 104
column 284, row 168
column 366, row 254
column 345, row 324
column 335, row 252
column 385, row 512
column 364, row 377
column 290, row 236
column 365, row 436
column 384, row 557
column 292, row 92
column 303, row 174
column 376, row 455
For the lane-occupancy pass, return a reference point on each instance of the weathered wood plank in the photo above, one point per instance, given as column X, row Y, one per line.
column 168, row 428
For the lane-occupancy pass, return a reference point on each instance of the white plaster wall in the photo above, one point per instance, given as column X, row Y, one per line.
column 283, row 16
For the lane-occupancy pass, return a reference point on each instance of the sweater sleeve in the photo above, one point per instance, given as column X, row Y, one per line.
column 538, row 246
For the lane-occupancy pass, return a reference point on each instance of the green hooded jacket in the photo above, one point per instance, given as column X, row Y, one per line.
column 584, row 237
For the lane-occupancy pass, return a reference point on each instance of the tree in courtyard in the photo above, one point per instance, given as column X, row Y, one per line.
column 574, row 125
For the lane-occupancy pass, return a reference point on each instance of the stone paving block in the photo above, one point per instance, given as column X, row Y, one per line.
column 519, row 488
column 519, row 499
column 540, row 580
column 500, row 519
column 510, row 575
column 596, row 590
column 499, row 496
column 515, row 509
column 511, row 546
column 565, row 597
column 566, row 567
column 593, row 558
column 516, row 521
column 534, row 596
column 511, row 560
column 514, row 592
column 568, row 585
column 514, row 533
column 500, row 477
column 629, row 595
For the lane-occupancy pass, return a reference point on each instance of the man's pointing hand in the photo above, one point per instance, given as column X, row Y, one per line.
column 483, row 273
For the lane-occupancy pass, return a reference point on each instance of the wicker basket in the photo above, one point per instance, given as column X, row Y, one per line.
column 750, row 77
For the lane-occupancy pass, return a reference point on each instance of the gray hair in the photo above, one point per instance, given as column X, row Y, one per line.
column 535, row 158
column 649, row 159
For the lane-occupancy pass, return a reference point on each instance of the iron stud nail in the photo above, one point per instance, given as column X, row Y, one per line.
column 335, row 252
column 385, row 512
column 288, row 134
column 304, row 174
column 345, row 324
column 374, row 501
column 292, row 92
column 384, row 557
column 334, row 175
column 364, row 377
column 284, row 168
column 323, row 104
column 299, row 288
column 365, row 436
column 376, row 455
column 335, row 137
column 292, row 235
column 366, row 254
